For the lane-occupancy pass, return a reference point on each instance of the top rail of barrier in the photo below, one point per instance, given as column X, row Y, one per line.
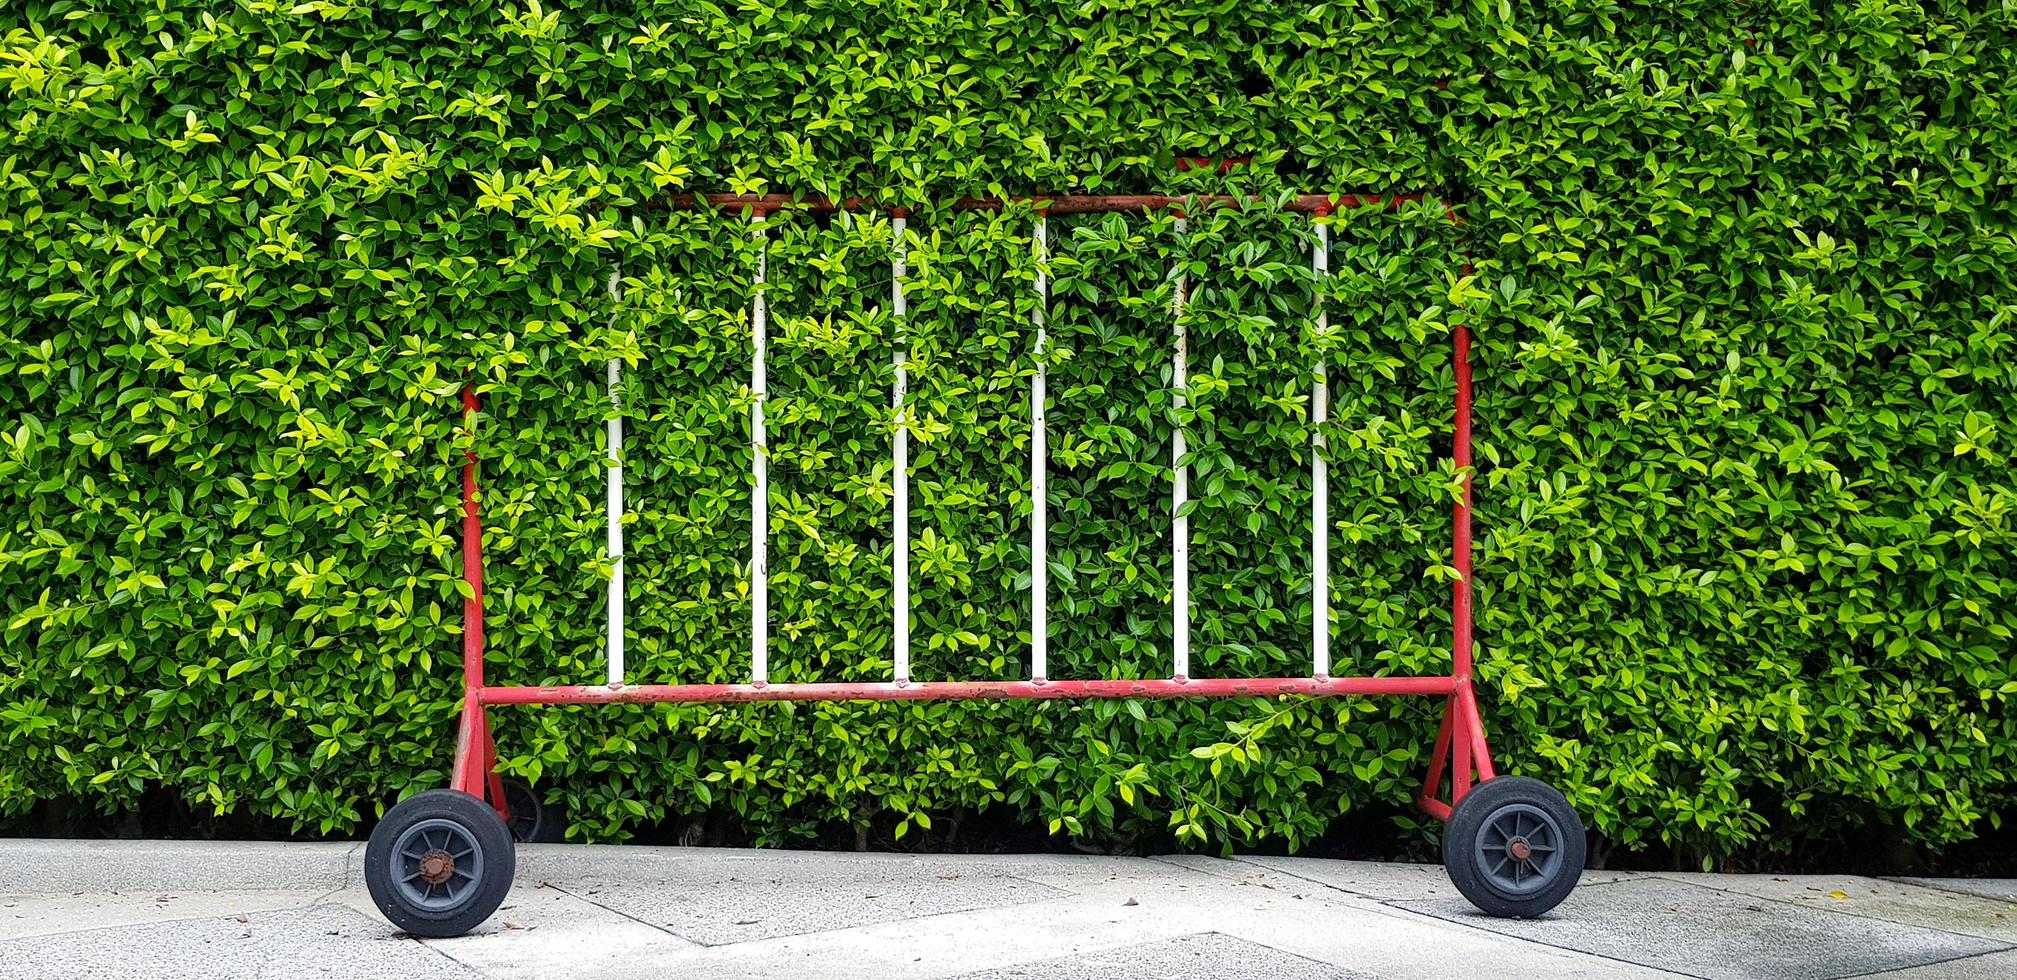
column 1054, row 203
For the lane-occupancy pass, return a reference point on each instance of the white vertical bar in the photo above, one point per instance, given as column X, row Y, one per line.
column 901, row 572
column 615, row 502
column 759, row 504
column 1180, row 593
column 1040, row 572
column 1320, row 474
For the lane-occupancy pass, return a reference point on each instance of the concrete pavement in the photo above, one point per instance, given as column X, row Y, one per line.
column 262, row 910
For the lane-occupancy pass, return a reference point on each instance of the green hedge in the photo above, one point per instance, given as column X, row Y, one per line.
column 1745, row 352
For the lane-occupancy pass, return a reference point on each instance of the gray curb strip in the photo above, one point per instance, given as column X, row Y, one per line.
column 46, row 866
column 70, row 866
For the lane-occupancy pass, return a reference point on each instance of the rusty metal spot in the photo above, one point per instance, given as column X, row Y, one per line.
column 436, row 867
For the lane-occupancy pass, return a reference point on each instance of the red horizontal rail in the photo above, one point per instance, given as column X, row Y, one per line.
column 1214, row 687
column 1050, row 203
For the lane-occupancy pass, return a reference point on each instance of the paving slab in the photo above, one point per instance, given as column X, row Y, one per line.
column 1990, row 966
column 1358, row 878
column 1322, row 925
column 320, row 941
column 2000, row 889
column 1386, row 881
column 716, row 909
column 578, row 866
column 1893, row 901
column 22, row 916
column 948, row 945
column 1209, row 954
column 544, row 932
column 1721, row 934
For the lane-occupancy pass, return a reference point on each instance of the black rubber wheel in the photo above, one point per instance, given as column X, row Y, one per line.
column 532, row 820
column 440, row 863
column 1514, row 847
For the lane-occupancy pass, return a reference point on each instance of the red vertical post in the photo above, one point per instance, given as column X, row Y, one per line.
column 475, row 752
column 1460, row 613
column 1467, row 735
column 472, row 558
column 1461, row 740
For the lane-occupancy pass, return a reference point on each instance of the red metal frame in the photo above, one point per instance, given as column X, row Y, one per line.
column 475, row 770
column 1190, row 687
column 1461, row 755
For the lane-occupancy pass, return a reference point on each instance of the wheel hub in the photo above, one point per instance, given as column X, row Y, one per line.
column 437, row 866
column 1518, row 848
column 1514, row 847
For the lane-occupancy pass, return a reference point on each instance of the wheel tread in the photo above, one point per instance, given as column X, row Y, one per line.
column 485, row 827
column 1466, row 832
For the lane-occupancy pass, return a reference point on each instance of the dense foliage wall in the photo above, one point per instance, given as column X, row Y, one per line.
column 1744, row 309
